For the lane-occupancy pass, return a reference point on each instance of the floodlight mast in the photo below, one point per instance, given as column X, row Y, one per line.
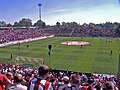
column 39, row 5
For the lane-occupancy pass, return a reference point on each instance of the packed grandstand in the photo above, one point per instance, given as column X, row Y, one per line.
column 15, row 34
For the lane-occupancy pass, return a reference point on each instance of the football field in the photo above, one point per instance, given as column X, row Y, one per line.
column 94, row 58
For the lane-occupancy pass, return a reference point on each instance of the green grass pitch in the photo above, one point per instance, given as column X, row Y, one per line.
column 94, row 59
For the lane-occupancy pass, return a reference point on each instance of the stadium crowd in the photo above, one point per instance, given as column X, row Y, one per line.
column 15, row 77
column 83, row 32
column 94, row 32
column 7, row 35
column 19, row 34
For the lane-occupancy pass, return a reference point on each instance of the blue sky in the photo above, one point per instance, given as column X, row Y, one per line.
column 80, row 11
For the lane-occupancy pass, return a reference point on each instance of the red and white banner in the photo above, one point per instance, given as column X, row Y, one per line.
column 75, row 43
column 25, row 40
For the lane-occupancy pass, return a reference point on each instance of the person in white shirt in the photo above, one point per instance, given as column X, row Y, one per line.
column 66, row 83
column 18, row 79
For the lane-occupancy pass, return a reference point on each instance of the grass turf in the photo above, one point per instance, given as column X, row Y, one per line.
column 94, row 58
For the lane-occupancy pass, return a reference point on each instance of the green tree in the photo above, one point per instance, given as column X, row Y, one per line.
column 71, row 24
column 92, row 25
column 43, row 25
column 9, row 25
column 58, row 24
column 40, row 24
column 16, row 24
column 25, row 22
column 2, row 24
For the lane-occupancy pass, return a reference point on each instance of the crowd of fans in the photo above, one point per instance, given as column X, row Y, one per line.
column 95, row 32
column 19, row 34
column 8, row 35
column 83, row 32
column 15, row 77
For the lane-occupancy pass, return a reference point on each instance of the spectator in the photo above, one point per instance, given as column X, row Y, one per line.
column 65, row 83
column 10, row 77
column 18, row 79
column 41, row 83
column 108, row 86
column 75, row 83
column 3, row 80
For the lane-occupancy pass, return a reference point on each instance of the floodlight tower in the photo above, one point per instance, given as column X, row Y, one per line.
column 39, row 5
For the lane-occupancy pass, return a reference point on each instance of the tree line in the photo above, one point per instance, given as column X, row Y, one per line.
column 25, row 22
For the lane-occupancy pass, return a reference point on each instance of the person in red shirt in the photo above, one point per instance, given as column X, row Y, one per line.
column 10, row 77
column 3, row 79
